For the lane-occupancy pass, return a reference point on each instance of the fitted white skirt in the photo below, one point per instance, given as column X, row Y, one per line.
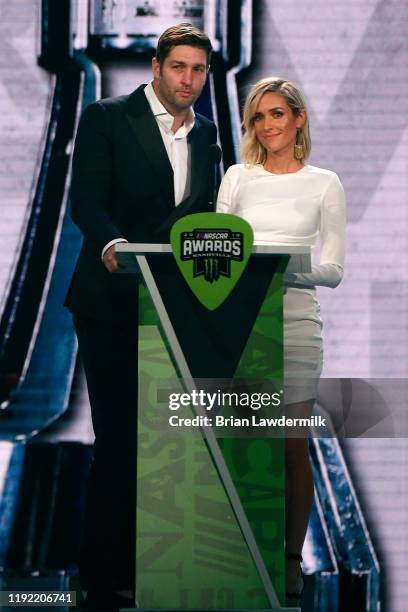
column 303, row 345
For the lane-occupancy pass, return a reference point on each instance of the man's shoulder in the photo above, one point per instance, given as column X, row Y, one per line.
column 122, row 102
column 203, row 121
column 207, row 127
column 113, row 102
column 117, row 104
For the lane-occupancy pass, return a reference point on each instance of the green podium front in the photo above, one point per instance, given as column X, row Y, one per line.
column 210, row 498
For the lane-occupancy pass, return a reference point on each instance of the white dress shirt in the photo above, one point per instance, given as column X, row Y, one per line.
column 176, row 146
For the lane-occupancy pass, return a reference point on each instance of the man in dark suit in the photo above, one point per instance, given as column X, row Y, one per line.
column 140, row 162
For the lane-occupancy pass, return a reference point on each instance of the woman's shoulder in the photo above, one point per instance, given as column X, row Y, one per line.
column 323, row 174
column 239, row 171
column 327, row 183
column 236, row 169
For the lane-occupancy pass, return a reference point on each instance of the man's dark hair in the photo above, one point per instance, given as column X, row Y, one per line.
column 182, row 34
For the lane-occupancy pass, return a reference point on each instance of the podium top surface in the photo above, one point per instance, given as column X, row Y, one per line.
column 300, row 260
column 137, row 248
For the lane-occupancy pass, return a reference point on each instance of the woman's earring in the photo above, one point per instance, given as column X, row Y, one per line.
column 299, row 152
column 299, row 148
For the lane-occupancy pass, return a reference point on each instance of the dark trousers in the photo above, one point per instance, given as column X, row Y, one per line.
column 109, row 355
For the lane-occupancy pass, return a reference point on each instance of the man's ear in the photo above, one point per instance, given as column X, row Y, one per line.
column 155, row 68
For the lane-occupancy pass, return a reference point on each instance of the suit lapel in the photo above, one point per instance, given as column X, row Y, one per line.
column 199, row 169
column 198, row 164
column 147, row 132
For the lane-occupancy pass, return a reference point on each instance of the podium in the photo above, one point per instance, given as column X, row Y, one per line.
column 210, row 501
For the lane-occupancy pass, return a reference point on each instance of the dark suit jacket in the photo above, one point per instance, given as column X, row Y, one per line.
column 122, row 186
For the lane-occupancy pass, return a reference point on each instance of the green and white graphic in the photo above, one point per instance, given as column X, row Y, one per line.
column 190, row 550
column 210, row 508
column 212, row 251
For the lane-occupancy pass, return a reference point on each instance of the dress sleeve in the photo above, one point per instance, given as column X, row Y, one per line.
column 329, row 272
column 224, row 198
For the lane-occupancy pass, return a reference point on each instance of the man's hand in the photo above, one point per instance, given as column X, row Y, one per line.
column 110, row 261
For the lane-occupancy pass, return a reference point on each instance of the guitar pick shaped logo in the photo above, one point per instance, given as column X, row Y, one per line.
column 211, row 250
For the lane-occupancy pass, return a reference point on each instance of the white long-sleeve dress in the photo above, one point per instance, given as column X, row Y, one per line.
column 295, row 208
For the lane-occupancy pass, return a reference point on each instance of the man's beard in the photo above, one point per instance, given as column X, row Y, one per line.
column 177, row 103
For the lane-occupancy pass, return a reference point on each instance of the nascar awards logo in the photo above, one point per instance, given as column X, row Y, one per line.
column 212, row 251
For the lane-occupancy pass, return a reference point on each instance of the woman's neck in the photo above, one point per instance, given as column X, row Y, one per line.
column 278, row 165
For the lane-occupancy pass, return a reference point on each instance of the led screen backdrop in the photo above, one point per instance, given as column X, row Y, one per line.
column 351, row 59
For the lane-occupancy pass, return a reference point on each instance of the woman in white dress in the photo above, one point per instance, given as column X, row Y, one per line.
column 288, row 201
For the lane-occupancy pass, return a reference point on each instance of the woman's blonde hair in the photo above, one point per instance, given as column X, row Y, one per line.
column 252, row 151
